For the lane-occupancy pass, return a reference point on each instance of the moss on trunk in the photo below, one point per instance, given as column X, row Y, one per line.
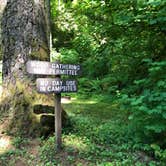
column 27, row 112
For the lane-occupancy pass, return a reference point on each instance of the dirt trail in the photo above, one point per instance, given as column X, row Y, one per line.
column 32, row 147
column 5, row 140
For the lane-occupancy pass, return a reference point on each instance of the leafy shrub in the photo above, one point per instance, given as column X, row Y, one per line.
column 148, row 103
column 48, row 151
column 159, row 153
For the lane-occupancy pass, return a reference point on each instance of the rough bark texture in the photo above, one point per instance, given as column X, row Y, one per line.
column 2, row 6
column 24, row 36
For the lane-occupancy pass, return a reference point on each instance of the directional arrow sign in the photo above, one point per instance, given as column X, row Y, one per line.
column 56, row 85
column 49, row 68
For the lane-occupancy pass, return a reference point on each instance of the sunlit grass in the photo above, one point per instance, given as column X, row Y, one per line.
column 93, row 109
column 79, row 101
column 96, row 136
column 75, row 142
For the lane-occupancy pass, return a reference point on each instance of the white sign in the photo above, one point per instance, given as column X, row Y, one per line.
column 49, row 68
column 56, row 85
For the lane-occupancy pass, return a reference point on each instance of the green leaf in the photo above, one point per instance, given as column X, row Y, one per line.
column 164, row 115
column 161, row 83
column 154, row 21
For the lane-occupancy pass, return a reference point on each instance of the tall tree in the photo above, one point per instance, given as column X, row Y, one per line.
column 25, row 32
column 24, row 36
column 2, row 5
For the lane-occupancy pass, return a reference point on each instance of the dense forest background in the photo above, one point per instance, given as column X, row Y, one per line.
column 121, row 48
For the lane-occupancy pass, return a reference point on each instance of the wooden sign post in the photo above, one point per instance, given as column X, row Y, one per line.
column 54, row 85
column 58, row 121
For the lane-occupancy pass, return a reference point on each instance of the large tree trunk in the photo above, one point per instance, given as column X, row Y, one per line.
column 2, row 6
column 25, row 35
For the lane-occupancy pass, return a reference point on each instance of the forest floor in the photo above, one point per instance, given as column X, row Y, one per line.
column 97, row 136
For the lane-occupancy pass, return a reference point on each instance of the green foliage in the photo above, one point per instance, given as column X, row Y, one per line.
column 159, row 153
column 148, row 102
column 11, row 157
column 48, row 152
column 109, row 39
column 19, row 141
column 95, row 139
column 121, row 48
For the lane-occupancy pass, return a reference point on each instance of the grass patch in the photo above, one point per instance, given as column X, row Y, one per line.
column 98, row 136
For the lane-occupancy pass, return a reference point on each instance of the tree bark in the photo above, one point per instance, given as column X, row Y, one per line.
column 25, row 35
column 2, row 6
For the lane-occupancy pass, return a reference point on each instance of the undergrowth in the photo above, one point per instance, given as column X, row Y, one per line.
column 99, row 135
